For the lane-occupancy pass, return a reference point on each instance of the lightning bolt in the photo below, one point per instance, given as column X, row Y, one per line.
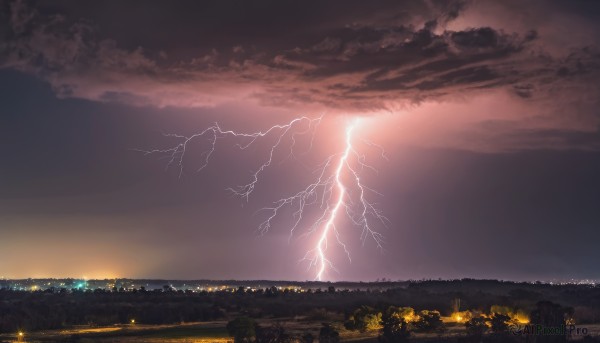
column 330, row 193
column 322, row 244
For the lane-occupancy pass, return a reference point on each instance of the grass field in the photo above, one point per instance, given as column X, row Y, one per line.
column 194, row 332
column 208, row 332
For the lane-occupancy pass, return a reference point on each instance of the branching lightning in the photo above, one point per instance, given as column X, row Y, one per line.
column 337, row 187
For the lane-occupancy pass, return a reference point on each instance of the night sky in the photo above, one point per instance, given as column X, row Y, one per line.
column 488, row 112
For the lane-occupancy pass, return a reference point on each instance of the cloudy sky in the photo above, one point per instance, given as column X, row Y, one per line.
column 487, row 112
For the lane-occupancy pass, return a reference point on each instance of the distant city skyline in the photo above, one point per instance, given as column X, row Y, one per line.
column 158, row 285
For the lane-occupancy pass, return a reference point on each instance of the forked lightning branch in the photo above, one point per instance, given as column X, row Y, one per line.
column 337, row 190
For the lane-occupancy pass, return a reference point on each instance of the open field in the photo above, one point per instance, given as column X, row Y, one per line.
column 210, row 332
column 192, row 332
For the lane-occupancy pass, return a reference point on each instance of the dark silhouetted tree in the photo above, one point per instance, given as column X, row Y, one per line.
column 395, row 329
column 499, row 323
column 549, row 315
column 242, row 329
column 476, row 326
column 272, row 334
column 429, row 321
column 328, row 334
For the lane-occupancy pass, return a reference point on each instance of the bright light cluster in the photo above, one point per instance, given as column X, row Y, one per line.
column 336, row 190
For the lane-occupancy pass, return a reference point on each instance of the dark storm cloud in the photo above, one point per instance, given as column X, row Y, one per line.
column 336, row 55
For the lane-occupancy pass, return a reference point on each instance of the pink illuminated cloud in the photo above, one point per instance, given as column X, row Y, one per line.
column 491, row 75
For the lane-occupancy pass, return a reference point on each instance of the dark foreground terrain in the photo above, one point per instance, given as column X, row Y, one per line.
column 424, row 311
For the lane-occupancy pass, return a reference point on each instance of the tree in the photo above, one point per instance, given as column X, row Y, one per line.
column 429, row 321
column 395, row 329
column 272, row 334
column 549, row 315
column 476, row 326
column 406, row 313
column 328, row 334
column 242, row 329
column 364, row 319
column 499, row 323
